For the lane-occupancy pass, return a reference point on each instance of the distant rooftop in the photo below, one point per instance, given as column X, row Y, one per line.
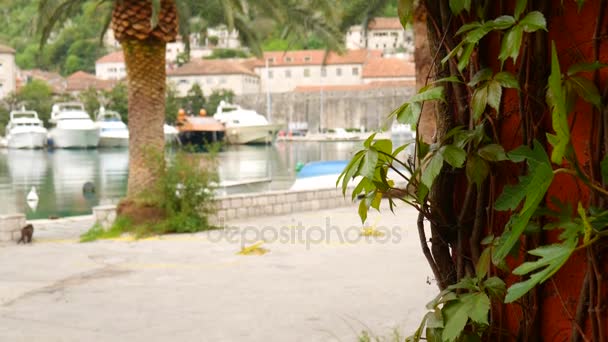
column 81, row 80
column 388, row 67
column 316, row 57
column 385, row 23
column 211, row 67
column 112, row 57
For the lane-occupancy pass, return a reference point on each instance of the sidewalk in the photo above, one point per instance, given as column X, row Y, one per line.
column 320, row 281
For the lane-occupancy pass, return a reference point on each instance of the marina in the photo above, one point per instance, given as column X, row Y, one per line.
column 59, row 175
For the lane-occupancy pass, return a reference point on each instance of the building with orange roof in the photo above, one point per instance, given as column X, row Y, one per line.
column 80, row 81
column 214, row 74
column 53, row 79
column 111, row 66
column 8, row 71
column 384, row 34
column 284, row 71
column 388, row 69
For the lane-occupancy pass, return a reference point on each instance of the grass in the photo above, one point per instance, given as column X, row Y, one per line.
column 120, row 227
column 367, row 337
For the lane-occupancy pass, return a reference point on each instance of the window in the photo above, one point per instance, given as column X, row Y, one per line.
column 111, row 69
column 287, row 59
column 222, row 80
column 339, row 72
column 323, row 72
column 288, row 73
column 271, row 60
column 182, row 82
column 270, row 74
column 355, row 71
column 306, row 72
column 307, row 59
column 209, row 80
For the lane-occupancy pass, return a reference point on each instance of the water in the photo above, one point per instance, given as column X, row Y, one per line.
column 59, row 175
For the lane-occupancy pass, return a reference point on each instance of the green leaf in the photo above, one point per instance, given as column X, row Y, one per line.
column 405, row 8
column 480, row 307
column 468, row 27
column 520, row 7
column 458, row 5
column 384, row 146
column 533, row 21
column 377, row 200
column 455, row 319
column 453, row 155
column 434, row 93
column 363, row 210
column 475, row 35
column 477, row 170
column 503, row 22
column 586, row 89
column 494, row 95
column 409, row 114
column 532, row 187
column 585, row 67
column 604, row 167
column 466, row 55
column 484, row 74
column 479, row 101
column 495, row 287
column 450, row 79
column 511, row 44
column 369, row 163
column 483, row 264
column 506, row 80
column 561, row 138
column 432, row 170
column 360, row 187
column 493, row 153
column 552, row 258
column 368, row 142
column 350, row 170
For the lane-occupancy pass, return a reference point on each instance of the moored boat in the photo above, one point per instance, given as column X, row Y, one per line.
column 245, row 126
column 25, row 130
column 112, row 131
column 73, row 127
column 198, row 130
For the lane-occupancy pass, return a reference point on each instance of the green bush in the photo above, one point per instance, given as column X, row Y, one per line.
column 185, row 191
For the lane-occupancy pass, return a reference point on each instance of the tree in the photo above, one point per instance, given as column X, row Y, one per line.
column 36, row 95
column 194, row 100
column 514, row 184
column 117, row 100
column 216, row 97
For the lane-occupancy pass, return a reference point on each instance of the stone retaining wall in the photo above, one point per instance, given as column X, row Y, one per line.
column 256, row 204
column 278, row 203
column 10, row 227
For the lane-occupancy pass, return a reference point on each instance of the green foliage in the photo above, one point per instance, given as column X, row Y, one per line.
column 35, row 95
column 194, row 100
column 213, row 100
column 121, row 226
column 172, row 104
column 185, row 191
column 227, row 53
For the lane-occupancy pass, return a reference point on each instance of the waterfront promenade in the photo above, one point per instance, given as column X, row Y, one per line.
column 320, row 281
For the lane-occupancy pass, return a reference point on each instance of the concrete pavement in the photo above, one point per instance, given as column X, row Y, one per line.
column 320, row 281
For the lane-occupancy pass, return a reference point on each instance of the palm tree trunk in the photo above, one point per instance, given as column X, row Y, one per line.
column 145, row 62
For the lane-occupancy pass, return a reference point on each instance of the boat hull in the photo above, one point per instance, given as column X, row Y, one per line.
column 110, row 141
column 26, row 140
column 199, row 138
column 75, row 138
column 262, row 134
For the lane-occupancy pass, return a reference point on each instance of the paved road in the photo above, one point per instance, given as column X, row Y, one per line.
column 315, row 283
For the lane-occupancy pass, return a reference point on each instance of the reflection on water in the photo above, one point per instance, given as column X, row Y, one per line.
column 59, row 175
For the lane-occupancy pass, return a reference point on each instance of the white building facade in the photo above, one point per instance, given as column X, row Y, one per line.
column 111, row 66
column 384, row 34
column 284, row 71
column 214, row 74
column 8, row 71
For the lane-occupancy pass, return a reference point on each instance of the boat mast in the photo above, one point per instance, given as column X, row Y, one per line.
column 268, row 99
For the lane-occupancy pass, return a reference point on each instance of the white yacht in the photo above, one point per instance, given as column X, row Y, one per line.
column 25, row 130
column 112, row 131
column 245, row 126
column 73, row 128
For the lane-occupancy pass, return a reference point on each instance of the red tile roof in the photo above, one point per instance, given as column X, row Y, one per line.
column 356, row 87
column 316, row 57
column 383, row 23
column 211, row 67
column 53, row 79
column 388, row 67
column 81, row 80
column 6, row 49
column 113, row 57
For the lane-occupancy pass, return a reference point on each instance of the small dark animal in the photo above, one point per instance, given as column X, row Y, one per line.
column 26, row 234
column 88, row 187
